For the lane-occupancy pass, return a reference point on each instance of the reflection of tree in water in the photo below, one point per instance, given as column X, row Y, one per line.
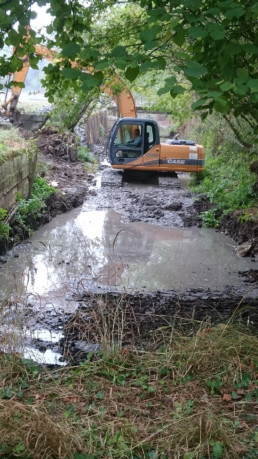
column 62, row 254
column 123, row 245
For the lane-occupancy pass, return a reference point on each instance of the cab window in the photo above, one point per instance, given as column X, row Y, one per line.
column 150, row 139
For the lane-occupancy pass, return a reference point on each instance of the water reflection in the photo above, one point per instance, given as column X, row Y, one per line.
column 95, row 247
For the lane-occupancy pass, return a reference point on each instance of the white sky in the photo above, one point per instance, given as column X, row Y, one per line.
column 42, row 20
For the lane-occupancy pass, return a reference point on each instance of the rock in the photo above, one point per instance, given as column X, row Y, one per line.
column 243, row 250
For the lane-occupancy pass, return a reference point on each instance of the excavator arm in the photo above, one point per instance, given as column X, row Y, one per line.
column 124, row 100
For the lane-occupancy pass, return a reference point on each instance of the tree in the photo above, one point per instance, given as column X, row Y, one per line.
column 211, row 43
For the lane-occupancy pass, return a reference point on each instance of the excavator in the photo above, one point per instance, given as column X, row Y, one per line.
column 134, row 143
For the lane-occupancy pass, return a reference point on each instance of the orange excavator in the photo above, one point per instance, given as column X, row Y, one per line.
column 134, row 143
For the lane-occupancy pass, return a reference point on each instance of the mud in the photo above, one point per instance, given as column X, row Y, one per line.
column 140, row 200
column 131, row 320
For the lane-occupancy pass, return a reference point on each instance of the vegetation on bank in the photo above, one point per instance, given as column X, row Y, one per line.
column 227, row 179
column 11, row 143
column 25, row 215
column 186, row 394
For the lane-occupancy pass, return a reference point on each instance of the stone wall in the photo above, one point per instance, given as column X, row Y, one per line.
column 16, row 175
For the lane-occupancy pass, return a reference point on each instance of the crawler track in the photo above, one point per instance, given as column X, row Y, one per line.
column 116, row 178
column 111, row 177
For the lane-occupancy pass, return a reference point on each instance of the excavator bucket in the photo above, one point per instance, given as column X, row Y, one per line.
column 31, row 122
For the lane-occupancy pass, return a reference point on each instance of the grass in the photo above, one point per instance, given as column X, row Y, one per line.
column 189, row 392
column 11, row 143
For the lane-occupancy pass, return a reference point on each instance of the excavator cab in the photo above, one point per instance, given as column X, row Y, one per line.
column 130, row 139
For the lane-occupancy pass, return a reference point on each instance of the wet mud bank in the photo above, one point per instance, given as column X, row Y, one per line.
column 104, row 321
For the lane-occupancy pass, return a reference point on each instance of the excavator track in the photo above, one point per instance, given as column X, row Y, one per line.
column 112, row 177
column 168, row 180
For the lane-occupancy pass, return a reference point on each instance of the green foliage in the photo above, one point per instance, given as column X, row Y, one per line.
column 70, row 104
column 149, row 89
column 85, row 155
column 210, row 219
column 34, row 207
column 227, row 179
column 11, row 142
column 4, row 228
column 210, row 44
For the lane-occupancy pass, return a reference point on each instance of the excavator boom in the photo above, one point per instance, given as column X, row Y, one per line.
column 124, row 100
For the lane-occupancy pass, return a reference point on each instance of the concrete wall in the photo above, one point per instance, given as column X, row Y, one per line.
column 16, row 175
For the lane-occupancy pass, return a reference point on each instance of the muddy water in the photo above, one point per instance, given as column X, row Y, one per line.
column 91, row 250
column 94, row 248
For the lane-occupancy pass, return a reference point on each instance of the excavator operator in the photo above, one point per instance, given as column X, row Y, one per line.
column 136, row 141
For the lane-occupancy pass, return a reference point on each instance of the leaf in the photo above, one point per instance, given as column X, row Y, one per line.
column 213, row 94
column 34, row 62
column 120, row 64
column 170, row 82
column 89, row 53
column 158, row 14
column 212, row 12
column 14, row 38
column 33, row 15
column 250, row 48
column 194, row 69
column 199, row 103
column 70, row 50
column 197, row 32
column 173, row 23
column 71, row 74
column 217, row 450
column 150, row 34
column 177, row 89
column 90, row 81
column 217, row 31
column 253, row 85
column 132, row 72
column 221, row 105
column 162, row 63
column 119, row 51
column 226, row 86
column 234, row 12
column 179, row 38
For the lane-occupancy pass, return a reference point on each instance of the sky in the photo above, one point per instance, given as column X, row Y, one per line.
column 42, row 20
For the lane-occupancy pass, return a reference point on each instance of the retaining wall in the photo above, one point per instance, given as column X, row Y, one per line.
column 96, row 128
column 16, row 175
